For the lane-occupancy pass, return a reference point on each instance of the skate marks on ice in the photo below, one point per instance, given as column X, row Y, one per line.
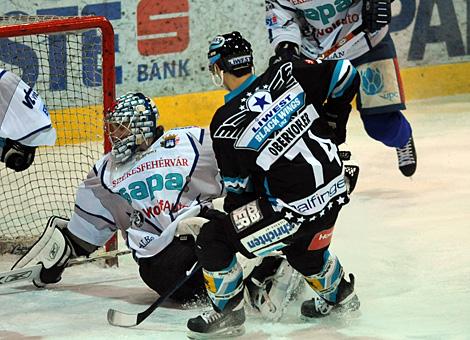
column 405, row 240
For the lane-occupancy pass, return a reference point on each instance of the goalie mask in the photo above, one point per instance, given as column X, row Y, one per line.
column 232, row 53
column 131, row 122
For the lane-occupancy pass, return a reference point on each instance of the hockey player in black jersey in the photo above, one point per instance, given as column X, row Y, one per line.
column 275, row 141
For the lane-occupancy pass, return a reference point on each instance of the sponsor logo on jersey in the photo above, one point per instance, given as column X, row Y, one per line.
column 269, row 235
column 150, row 165
column 320, row 199
column 286, row 138
column 348, row 20
column 161, row 207
column 259, row 100
column 140, row 190
column 326, row 11
column 144, row 242
column 29, row 98
column 321, row 239
column 275, row 117
column 169, row 141
column 246, row 216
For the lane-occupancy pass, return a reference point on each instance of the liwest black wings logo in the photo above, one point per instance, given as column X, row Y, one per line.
column 232, row 127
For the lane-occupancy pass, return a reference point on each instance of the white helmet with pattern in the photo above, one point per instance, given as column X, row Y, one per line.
column 131, row 122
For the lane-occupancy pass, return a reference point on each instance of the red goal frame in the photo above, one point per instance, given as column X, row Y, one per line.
column 69, row 24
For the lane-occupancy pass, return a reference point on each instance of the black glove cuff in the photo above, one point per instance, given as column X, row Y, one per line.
column 17, row 156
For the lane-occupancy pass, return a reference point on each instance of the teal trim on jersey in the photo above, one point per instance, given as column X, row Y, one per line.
column 348, row 84
column 237, row 184
column 270, row 197
column 335, row 78
column 228, row 97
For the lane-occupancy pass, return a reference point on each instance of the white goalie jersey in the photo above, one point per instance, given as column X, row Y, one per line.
column 147, row 196
column 316, row 26
column 23, row 115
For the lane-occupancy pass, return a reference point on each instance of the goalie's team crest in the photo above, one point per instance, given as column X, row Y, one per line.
column 259, row 101
column 169, row 141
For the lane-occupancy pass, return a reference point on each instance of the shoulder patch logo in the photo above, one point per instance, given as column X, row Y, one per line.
column 169, row 141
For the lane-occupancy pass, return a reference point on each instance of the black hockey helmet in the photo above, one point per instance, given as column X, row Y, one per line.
column 231, row 52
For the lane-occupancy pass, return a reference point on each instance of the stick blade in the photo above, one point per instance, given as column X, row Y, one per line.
column 120, row 319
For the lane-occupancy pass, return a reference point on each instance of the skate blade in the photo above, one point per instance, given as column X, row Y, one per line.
column 229, row 332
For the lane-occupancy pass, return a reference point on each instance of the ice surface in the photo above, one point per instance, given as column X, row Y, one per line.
column 406, row 240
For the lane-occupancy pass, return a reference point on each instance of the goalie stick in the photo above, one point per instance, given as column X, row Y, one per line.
column 121, row 319
column 32, row 272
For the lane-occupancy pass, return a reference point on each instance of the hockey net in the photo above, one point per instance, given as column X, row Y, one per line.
column 69, row 61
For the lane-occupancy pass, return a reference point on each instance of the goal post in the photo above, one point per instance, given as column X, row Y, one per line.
column 69, row 61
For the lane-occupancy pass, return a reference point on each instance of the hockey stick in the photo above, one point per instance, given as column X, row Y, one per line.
column 121, row 319
column 32, row 272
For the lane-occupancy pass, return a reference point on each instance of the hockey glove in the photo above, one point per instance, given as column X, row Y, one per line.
column 351, row 170
column 376, row 14
column 285, row 51
column 337, row 123
column 192, row 225
column 17, row 156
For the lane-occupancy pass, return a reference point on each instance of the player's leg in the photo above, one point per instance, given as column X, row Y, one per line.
column 322, row 270
column 223, row 277
column 160, row 272
column 380, row 101
column 244, row 230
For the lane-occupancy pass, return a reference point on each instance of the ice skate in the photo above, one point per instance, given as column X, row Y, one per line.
column 218, row 325
column 347, row 301
column 407, row 158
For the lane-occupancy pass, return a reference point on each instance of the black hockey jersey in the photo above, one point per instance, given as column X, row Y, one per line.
column 271, row 138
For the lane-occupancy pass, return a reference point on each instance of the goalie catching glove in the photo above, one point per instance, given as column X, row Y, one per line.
column 53, row 250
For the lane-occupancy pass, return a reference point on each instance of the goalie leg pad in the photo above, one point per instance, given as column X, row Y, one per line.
column 272, row 295
column 52, row 250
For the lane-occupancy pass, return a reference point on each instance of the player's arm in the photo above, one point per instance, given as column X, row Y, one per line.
column 238, row 185
column 343, row 86
column 283, row 30
column 331, row 85
column 236, row 180
column 25, row 122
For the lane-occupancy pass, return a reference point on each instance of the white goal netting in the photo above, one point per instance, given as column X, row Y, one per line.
column 66, row 69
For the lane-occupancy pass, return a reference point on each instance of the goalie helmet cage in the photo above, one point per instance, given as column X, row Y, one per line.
column 69, row 61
